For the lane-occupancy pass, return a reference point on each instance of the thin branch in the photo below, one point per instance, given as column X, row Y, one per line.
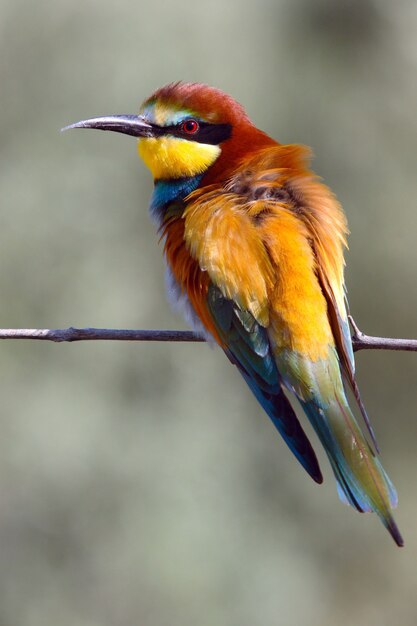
column 93, row 334
column 359, row 339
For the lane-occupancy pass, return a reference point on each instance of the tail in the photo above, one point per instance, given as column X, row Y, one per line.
column 362, row 481
column 283, row 416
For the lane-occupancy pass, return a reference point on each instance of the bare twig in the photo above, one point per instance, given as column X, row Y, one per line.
column 90, row 334
column 368, row 342
column 359, row 339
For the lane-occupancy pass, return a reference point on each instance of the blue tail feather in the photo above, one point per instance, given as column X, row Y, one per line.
column 282, row 415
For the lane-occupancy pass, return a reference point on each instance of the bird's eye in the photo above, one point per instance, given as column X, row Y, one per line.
column 190, row 127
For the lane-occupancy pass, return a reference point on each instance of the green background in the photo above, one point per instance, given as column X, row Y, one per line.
column 141, row 483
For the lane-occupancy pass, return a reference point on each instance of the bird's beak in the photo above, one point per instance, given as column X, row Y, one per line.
column 134, row 125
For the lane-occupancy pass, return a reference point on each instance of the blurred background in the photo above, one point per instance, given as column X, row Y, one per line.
column 141, row 483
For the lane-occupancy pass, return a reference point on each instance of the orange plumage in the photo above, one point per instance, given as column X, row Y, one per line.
column 254, row 245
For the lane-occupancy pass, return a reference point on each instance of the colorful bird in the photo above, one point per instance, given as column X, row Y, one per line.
column 254, row 247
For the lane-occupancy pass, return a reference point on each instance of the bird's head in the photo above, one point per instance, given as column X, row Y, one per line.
column 184, row 129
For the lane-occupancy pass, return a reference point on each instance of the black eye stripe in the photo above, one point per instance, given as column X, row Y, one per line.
column 207, row 133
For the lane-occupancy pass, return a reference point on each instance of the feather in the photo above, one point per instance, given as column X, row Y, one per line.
column 248, row 348
column 361, row 479
column 257, row 248
column 275, row 253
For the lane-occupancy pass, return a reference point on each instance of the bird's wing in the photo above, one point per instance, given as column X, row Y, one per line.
column 326, row 224
column 281, row 177
column 229, row 249
column 248, row 347
column 273, row 250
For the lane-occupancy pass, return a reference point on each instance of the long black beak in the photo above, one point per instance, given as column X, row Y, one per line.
column 134, row 125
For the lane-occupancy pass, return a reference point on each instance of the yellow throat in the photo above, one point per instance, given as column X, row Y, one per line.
column 171, row 157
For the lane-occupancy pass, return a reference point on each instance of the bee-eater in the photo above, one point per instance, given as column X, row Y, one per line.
column 254, row 246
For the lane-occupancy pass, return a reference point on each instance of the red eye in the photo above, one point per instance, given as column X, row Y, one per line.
column 190, row 127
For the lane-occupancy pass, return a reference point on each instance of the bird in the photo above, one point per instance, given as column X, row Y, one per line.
column 254, row 246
